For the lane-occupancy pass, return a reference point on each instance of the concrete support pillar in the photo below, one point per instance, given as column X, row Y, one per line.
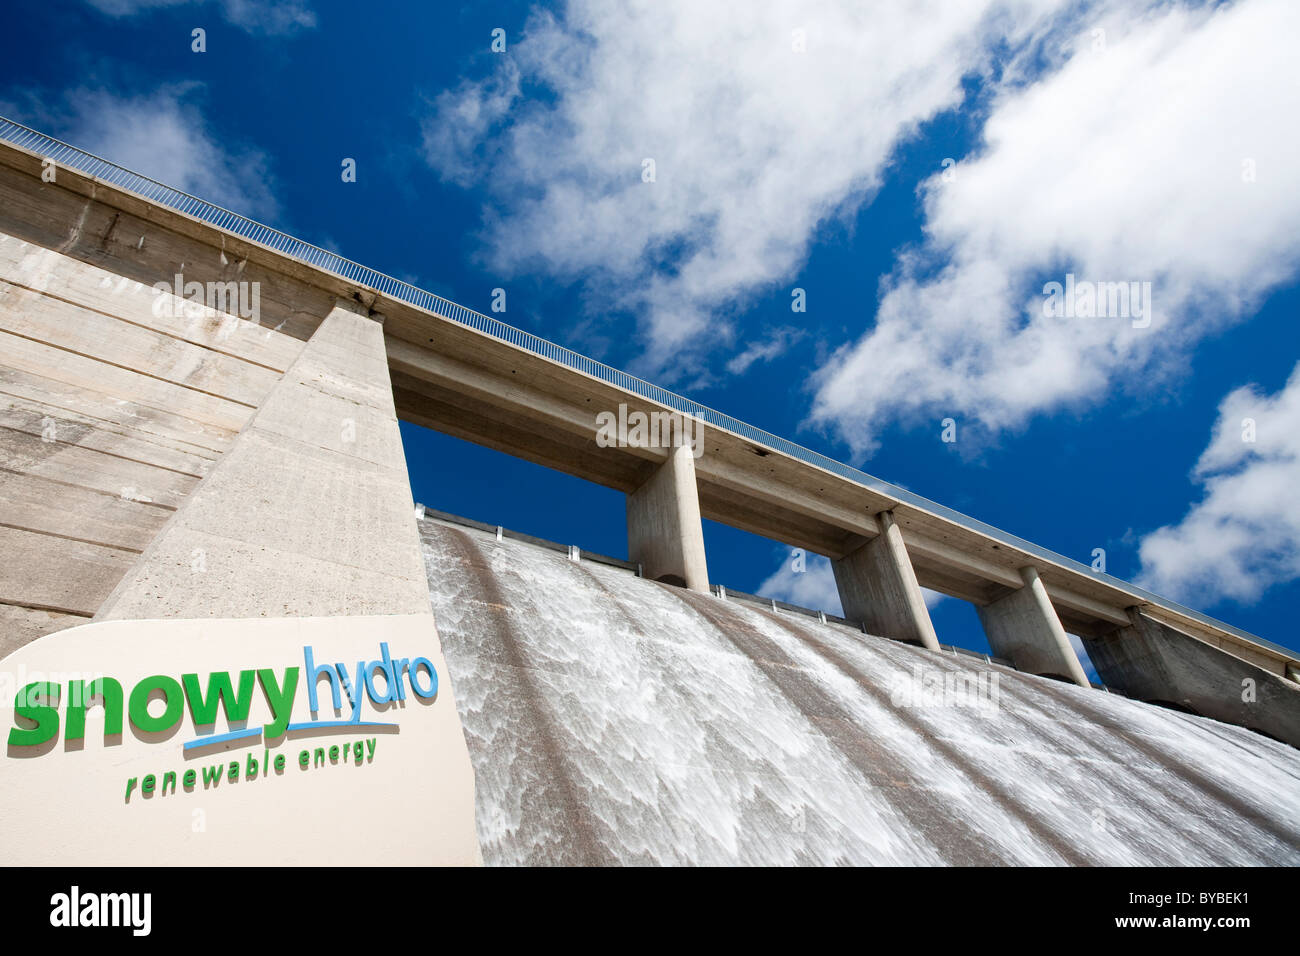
column 878, row 587
column 1154, row 661
column 309, row 513
column 1023, row 628
column 664, row 533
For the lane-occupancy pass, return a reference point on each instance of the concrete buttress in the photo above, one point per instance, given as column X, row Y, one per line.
column 1023, row 628
column 664, row 533
column 878, row 587
column 310, row 511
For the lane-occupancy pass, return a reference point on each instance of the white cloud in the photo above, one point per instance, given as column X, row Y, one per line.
column 255, row 16
column 1244, row 534
column 765, row 350
column 160, row 135
column 755, row 145
column 1126, row 164
column 455, row 137
column 814, row 587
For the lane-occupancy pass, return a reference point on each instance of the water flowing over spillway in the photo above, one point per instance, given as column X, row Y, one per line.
column 615, row 720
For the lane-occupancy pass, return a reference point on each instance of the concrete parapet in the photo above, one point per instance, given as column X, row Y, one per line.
column 1152, row 661
column 878, row 587
column 664, row 533
column 1023, row 628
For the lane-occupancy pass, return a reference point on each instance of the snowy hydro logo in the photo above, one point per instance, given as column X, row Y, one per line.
column 383, row 682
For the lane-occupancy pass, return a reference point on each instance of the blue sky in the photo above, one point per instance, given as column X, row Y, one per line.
column 796, row 145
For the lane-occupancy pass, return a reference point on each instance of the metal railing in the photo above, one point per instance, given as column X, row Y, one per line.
column 71, row 157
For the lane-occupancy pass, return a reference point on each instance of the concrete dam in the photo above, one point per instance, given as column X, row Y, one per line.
column 616, row 720
column 220, row 600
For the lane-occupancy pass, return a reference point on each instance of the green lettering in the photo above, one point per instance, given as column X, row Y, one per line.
column 81, row 696
column 139, row 705
column 212, row 775
column 187, row 781
column 169, row 776
column 204, row 709
column 147, row 784
column 37, row 702
column 279, row 699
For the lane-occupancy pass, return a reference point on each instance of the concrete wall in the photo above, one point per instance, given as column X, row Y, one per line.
column 111, row 413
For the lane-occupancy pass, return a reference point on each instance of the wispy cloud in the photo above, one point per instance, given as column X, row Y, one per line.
column 1243, row 536
column 455, row 135
column 162, row 135
column 764, row 350
column 1155, row 154
column 763, row 121
column 269, row 17
column 813, row 587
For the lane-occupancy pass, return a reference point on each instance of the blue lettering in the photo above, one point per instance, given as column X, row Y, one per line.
column 314, row 674
column 427, row 664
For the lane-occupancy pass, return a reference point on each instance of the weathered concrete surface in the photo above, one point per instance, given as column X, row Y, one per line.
column 664, row 533
column 50, row 573
column 611, row 719
column 22, row 625
column 1024, row 629
column 878, row 587
column 1152, row 661
column 112, row 409
column 309, row 513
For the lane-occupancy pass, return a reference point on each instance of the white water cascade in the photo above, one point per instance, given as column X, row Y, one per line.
column 611, row 719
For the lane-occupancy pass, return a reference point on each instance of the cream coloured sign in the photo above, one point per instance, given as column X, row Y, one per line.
column 234, row 742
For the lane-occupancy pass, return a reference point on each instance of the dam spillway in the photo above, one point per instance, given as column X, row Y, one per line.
column 615, row 720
